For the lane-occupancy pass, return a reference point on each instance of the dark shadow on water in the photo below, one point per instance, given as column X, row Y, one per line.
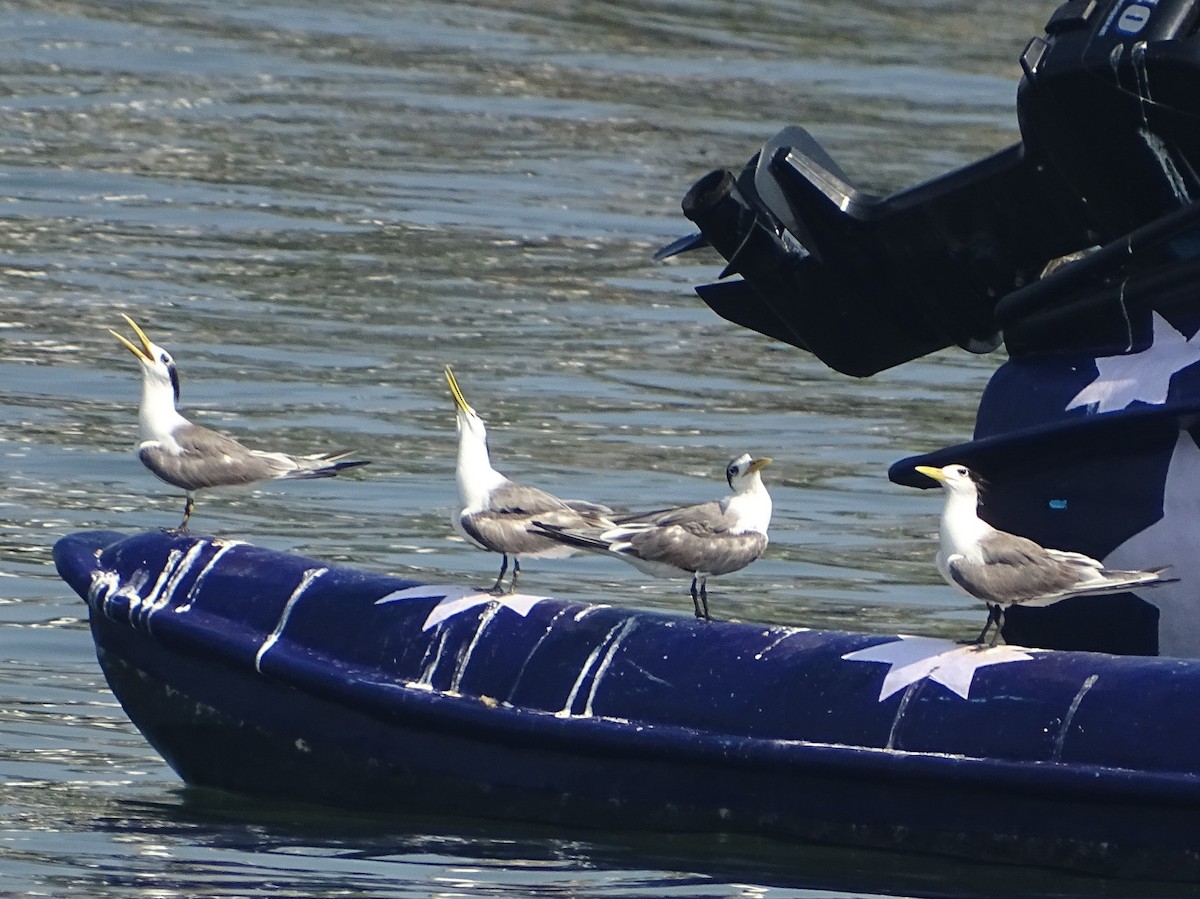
column 659, row 862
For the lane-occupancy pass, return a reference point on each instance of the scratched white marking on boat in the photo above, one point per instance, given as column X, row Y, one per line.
column 565, row 711
column 306, row 581
column 225, row 546
column 137, row 600
column 905, row 698
column 537, row 645
column 182, row 567
column 484, row 620
column 1061, row 738
column 130, row 589
column 605, row 663
column 105, row 580
column 647, row 675
column 788, row 632
column 425, row 681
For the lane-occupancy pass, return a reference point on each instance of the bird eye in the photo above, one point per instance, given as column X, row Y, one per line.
column 164, row 359
column 961, row 471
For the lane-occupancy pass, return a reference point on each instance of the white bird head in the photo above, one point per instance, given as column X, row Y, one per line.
column 956, row 480
column 158, row 368
column 466, row 418
column 742, row 471
column 475, row 475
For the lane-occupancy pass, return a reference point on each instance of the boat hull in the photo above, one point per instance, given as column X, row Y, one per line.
column 249, row 673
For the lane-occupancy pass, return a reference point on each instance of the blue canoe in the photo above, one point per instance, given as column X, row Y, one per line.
column 274, row 675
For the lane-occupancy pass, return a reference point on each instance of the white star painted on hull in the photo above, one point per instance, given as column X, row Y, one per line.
column 1172, row 540
column 1145, row 376
column 455, row 600
column 950, row 664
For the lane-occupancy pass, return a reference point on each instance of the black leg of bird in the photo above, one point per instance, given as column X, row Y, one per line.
column 995, row 615
column 700, row 599
column 188, row 506
column 496, row 591
column 999, row 625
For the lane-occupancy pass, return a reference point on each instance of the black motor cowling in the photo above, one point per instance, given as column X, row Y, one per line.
column 1109, row 111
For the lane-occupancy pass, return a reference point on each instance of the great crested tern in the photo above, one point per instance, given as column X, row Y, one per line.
column 497, row 514
column 1004, row 569
column 703, row 540
column 192, row 457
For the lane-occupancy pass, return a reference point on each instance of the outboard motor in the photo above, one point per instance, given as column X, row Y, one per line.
column 1109, row 112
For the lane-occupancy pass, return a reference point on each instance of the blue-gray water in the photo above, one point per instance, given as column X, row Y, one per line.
column 316, row 206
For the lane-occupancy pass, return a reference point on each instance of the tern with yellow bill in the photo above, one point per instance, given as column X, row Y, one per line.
column 192, row 457
column 703, row 540
column 1004, row 569
column 497, row 514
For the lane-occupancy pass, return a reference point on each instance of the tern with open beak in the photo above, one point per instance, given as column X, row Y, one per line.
column 1004, row 569
column 192, row 457
column 704, row 540
column 497, row 514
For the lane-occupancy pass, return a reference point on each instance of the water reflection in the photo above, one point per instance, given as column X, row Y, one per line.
column 223, row 845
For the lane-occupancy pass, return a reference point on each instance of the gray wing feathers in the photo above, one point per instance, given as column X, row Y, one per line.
column 692, row 539
column 213, row 461
column 590, row 540
column 708, row 516
column 586, row 508
column 516, row 499
column 319, row 465
column 507, row 524
column 1017, row 570
column 696, row 548
column 1012, row 579
column 210, row 459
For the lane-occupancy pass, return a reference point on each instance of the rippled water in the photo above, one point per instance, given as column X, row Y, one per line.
column 318, row 206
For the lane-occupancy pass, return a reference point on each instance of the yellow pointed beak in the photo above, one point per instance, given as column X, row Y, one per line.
column 759, row 464
column 146, row 351
column 459, row 400
column 930, row 472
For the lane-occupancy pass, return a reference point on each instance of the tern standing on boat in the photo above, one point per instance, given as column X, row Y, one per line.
column 192, row 457
column 497, row 514
column 1005, row 569
column 704, row 540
